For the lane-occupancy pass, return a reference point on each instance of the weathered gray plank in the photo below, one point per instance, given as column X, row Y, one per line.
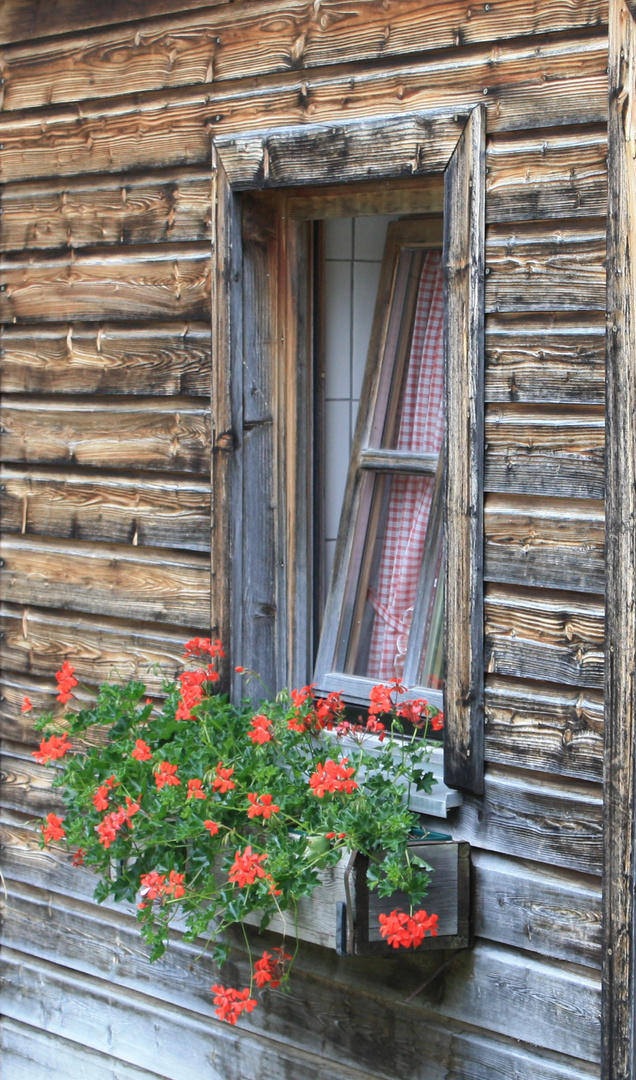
column 151, row 359
column 529, row 85
column 546, row 635
column 555, row 543
column 138, row 433
column 552, row 729
column 36, row 641
column 537, row 908
column 143, row 283
column 29, row 1051
column 555, row 357
column 544, row 819
column 619, row 868
column 109, row 579
column 547, row 174
column 259, row 39
column 26, row 786
column 173, row 206
column 531, row 266
column 165, row 511
column 540, row 450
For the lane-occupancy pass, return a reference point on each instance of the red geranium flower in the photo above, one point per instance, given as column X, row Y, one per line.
column 332, row 776
column 166, row 775
column 402, row 930
column 231, row 1003
column 262, row 732
column 212, row 827
column 194, row 790
column 26, row 704
column 246, row 867
column 269, row 969
column 142, row 751
column 222, row 783
column 262, row 806
column 50, row 749
column 52, row 830
column 65, row 681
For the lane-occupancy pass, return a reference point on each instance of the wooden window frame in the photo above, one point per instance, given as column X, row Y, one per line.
column 256, row 350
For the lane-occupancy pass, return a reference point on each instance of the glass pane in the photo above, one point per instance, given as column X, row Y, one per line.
column 381, row 611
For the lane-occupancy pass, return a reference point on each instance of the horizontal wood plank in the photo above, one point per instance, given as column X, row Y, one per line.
column 544, row 175
column 555, row 357
column 550, row 543
column 531, row 267
column 29, row 1051
column 540, row 450
column 545, row 819
column 142, row 283
column 138, row 433
column 147, row 510
column 524, row 85
column 107, row 579
column 27, row 19
column 537, row 908
column 553, row 729
column 554, row 636
column 259, row 38
column 27, row 786
column 106, row 210
column 36, row 642
column 150, row 358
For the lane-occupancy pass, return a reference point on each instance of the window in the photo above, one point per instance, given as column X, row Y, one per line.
column 269, row 187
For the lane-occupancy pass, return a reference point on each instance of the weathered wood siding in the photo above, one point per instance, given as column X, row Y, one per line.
column 106, row 123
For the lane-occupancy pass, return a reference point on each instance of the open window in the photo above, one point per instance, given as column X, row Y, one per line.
column 415, row 470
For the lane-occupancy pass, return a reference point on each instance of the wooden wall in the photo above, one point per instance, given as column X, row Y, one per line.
column 107, row 116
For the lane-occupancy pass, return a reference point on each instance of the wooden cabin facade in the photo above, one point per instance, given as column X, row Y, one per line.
column 159, row 159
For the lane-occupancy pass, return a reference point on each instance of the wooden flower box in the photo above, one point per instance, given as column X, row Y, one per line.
column 342, row 913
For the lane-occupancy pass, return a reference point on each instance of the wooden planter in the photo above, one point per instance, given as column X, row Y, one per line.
column 342, row 913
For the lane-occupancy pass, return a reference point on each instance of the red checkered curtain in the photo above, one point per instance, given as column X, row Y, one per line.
column 409, row 504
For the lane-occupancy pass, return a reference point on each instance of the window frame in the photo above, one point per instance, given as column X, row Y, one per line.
column 404, row 148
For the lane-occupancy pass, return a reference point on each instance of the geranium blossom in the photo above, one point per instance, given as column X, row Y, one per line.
column 402, row 930
column 166, row 775
column 198, row 646
column 142, row 751
column 261, row 806
column 212, row 827
column 262, row 732
column 194, row 790
column 154, row 885
column 108, row 828
column 328, row 709
column 52, row 829
column 26, row 704
column 78, row 858
column 65, row 682
column 222, row 783
column 246, row 867
column 231, row 1003
column 51, row 749
column 269, row 968
column 332, row 776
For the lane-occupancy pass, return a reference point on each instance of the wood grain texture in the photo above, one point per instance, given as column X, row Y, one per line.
column 539, row 450
column 28, row 19
column 534, row 268
column 547, row 174
column 26, row 786
column 108, row 579
column 555, row 543
column 106, row 210
column 30, row 1051
column 463, row 259
column 619, row 912
column 147, row 510
column 545, row 635
column 555, row 357
column 538, row 908
column 527, row 85
column 146, row 283
column 260, row 38
column 553, row 729
column 37, row 642
column 109, row 358
column 138, row 433
column 546, row 819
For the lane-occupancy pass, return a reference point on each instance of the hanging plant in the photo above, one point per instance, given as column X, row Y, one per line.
column 216, row 811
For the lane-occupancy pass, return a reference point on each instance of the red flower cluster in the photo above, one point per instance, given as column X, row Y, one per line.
column 50, row 749
column 112, row 823
column 78, row 858
column 328, row 710
column 191, row 693
column 332, row 776
column 142, row 751
column 199, row 646
column 52, row 830
column 402, row 930
column 231, row 1003
column 246, row 867
column 262, row 732
column 419, row 713
column 380, row 697
column 212, row 827
column 222, row 783
column 27, row 704
column 154, row 885
column 262, row 806
column 100, row 798
column 65, row 682
column 269, row 969
column 166, row 775
column 195, row 790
